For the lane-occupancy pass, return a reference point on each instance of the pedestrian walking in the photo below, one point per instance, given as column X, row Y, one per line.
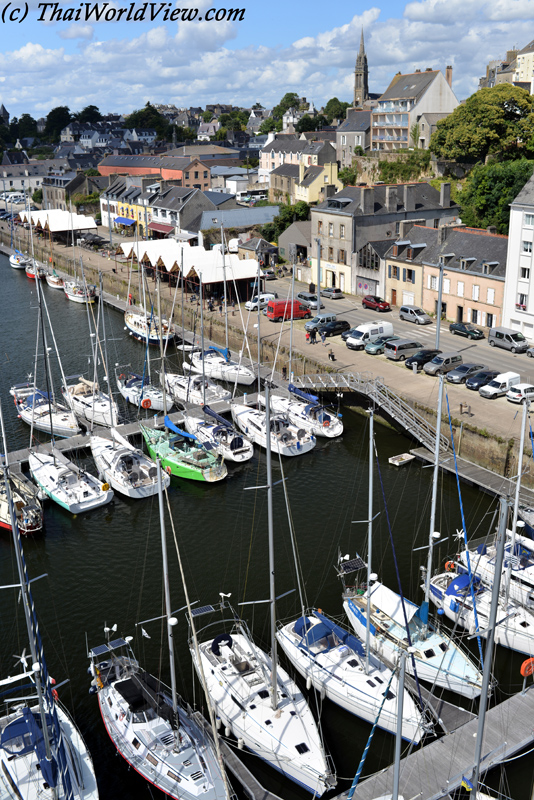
column 307, row 337
column 220, row 309
column 314, row 336
column 323, row 338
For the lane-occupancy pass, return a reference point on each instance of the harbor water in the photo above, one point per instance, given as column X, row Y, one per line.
column 104, row 568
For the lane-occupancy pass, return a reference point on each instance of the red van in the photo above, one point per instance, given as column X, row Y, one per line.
column 277, row 310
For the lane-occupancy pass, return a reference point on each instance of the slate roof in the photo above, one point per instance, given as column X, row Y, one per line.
column 285, row 146
column 356, row 121
column 218, row 198
column 348, row 200
column 381, row 247
column 526, row 195
column 483, row 247
column 131, row 161
column 173, row 198
column 240, row 217
column 292, row 171
column 528, row 49
column 412, row 85
column 299, row 233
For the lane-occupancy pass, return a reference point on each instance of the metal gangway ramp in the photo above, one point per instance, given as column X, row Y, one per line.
column 383, row 397
column 437, row 769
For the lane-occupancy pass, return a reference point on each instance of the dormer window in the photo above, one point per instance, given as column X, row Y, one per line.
column 485, row 269
column 409, row 252
column 395, row 251
column 463, row 264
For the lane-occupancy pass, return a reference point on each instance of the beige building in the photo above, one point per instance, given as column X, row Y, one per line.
column 524, row 67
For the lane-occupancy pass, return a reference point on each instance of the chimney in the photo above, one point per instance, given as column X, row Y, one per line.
column 442, row 233
column 302, row 170
column 391, row 199
column 367, row 199
column 491, row 229
column 409, row 197
column 448, row 75
column 429, row 69
column 405, row 226
column 445, row 195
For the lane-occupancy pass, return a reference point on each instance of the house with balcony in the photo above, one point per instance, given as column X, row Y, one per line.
column 403, row 103
column 518, row 306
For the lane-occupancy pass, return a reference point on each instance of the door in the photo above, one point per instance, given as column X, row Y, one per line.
column 459, row 313
column 393, row 297
column 342, row 281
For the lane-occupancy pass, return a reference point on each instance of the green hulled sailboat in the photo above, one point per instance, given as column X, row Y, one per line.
column 181, row 454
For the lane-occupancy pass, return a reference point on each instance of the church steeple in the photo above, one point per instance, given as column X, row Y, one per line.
column 361, row 76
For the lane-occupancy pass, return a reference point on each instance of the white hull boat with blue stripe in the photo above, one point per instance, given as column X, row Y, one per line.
column 286, row 439
column 18, row 260
column 139, row 392
column 438, row 659
column 126, row 469
column 66, row 484
column 237, row 675
column 219, row 435
column 313, row 417
column 216, row 363
column 333, row 661
column 37, row 408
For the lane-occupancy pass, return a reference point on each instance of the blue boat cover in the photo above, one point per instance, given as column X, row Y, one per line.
column 302, row 625
column 26, row 735
column 222, row 350
column 134, row 378
column 311, row 398
column 324, row 629
column 36, row 398
column 458, row 585
column 172, row 427
column 221, row 420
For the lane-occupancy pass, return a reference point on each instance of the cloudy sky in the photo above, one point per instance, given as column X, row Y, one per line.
column 307, row 47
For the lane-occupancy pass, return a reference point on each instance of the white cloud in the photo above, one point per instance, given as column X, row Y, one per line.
column 77, row 31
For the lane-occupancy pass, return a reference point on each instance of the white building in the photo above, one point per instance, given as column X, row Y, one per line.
column 518, row 306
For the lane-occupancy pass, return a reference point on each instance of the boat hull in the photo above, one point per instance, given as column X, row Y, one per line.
column 77, row 497
column 206, row 433
column 127, row 470
column 289, row 441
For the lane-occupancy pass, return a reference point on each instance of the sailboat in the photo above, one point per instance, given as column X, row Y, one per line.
column 216, row 432
column 26, row 505
column 126, row 469
column 217, row 363
column 254, row 697
column 138, row 390
column 285, row 437
column 69, row 486
column 310, row 414
column 194, row 389
column 42, row 753
column 34, row 271
column 182, row 454
column 149, row 723
column 18, row 260
column 53, row 280
column 89, row 402
column 147, row 331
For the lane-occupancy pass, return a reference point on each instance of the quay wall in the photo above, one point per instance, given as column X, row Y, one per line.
column 472, row 443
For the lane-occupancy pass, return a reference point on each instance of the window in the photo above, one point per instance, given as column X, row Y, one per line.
column 522, row 300
column 196, row 174
column 485, row 269
column 395, row 272
column 460, row 289
column 186, row 176
column 330, row 228
column 342, row 257
column 463, row 263
column 433, row 282
column 475, row 292
column 343, row 140
column 410, row 275
column 320, row 226
column 397, row 228
column 525, row 273
column 491, row 297
column 527, row 247
column 330, row 253
column 446, row 285
column 422, row 126
column 490, row 320
column 529, row 219
column 341, row 231
column 474, row 316
column 206, row 173
column 436, row 223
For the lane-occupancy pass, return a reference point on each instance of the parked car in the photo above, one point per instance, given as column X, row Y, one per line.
column 376, row 348
column 520, row 393
column 474, row 382
column 508, row 339
column 401, row 349
column 319, row 319
column 334, row 328
column 444, row 362
column 309, row 299
column 466, row 329
column 346, row 334
column 332, row 293
column 368, row 332
column 530, row 352
column 375, row 303
column 421, row 358
column 252, row 304
column 463, row 372
column 269, row 274
column 500, row 385
column 278, row 310
column 414, row 314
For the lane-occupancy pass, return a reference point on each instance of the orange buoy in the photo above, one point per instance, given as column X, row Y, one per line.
column 168, row 470
column 527, row 668
column 146, row 403
column 450, row 566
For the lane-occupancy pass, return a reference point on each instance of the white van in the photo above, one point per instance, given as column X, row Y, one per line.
column 367, row 333
column 500, row 385
column 252, row 305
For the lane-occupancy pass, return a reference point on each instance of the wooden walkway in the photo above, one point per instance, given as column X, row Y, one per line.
column 485, row 479
column 437, row 769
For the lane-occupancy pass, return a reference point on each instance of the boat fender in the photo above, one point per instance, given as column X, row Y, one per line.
column 168, row 470
column 527, row 668
column 146, row 403
column 121, row 377
column 55, row 695
column 227, row 731
column 93, row 690
column 240, row 743
column 105, row 487
column 308, row 683
column 450, row 566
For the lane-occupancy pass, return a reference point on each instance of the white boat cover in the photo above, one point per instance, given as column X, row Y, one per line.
column 390, row 603
column 55, row 220
column 196, row 260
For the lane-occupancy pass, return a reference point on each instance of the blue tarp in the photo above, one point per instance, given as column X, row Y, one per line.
column 207, row 410
column 347, row 638
column 26, row 736
column 124, row 221
column 172, row 427
column 36, row 398
column 326, row 627
column 458, row 585
column 311, row 398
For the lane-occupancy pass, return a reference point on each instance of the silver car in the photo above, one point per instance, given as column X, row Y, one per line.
column 463, row 372
column 309, row 299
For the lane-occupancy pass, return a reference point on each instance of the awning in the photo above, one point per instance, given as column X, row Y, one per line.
column 160, row 227
column 124, row 221
column 185, row 237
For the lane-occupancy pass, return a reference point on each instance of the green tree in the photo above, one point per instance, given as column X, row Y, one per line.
column 335, row 109
column 257, row 107
column 220, row 136
column 91, row 172
column 348, row 175
column 286, row 216
column 183, row 134
column 90, row 113
column 37, row 196
column 414, row 134
column 489, row 190
column 207, row 116
column 269, row 125
column 149, row 117
column 56, row 120
column 498, row 120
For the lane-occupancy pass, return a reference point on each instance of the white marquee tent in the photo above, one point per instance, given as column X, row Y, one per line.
column 56, row 220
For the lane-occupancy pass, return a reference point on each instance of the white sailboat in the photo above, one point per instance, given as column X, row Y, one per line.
column 147, row 331
column 254, row 697
column 38, row 409
column 149, row 724
column 126, row 469
column 194, row 389
column 220, row 435
column 26, row 505
column 89, row 402
column 18, row 260
column 69, row 486
column 310, row 414
column 216, row 363
column 285, row 438
column 140, row 392
column 79, row 292
column 42, row 752
column 53, row 280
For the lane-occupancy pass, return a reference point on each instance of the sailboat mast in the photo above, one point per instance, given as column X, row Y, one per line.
column 101, row 281
column 516, row 499
column 202, row 337
column 171, row 621
column 490, row 638
column 369, row 540
column 163, row 387
column 224, row 283
column 274, row 693
column 45, row 356
column 291, row 324
column 433, row 504
column 259, row 319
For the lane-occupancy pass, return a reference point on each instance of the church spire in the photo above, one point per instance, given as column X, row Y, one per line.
column 361, row 76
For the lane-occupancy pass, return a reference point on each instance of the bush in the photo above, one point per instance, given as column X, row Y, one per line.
column 407, row 167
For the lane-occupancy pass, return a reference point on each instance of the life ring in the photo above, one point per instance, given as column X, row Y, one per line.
column 146, row 403
column 105, row 487
column 527, row 668
column 326, row 423
column 122, row 715
column 168, row 470
column 121, row 377
column 450, row 566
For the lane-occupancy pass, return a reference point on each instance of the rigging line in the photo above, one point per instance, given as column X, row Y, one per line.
column 468, row 557
column 296, row 556
column 251, row 531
